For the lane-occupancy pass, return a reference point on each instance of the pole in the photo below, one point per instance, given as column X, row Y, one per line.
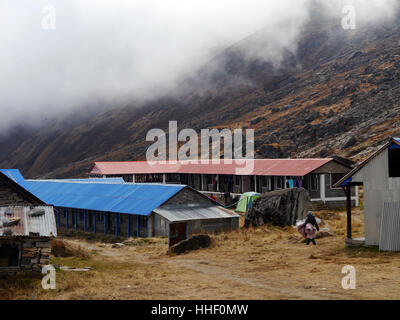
column 116, row 224
column 94, row 221
column 348, row 205
column 66, row 220
column 58, row 217
column 147, row 226
column 76, row 220
column 129, row 225
column 138, row 226
column 105, row 223
column 84, row 220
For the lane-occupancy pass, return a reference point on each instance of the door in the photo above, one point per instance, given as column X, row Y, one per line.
column 177, row 232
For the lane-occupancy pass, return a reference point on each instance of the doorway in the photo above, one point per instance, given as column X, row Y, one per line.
column 9, row 254
column 177, row 232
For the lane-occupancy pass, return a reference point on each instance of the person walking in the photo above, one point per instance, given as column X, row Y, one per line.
column 309, row 228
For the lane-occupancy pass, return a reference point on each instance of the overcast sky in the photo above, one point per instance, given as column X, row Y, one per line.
column 105, row 50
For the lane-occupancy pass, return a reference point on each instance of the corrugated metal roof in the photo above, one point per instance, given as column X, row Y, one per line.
column 189, row 213
column 390, row 227
column 40, row 225
column 261, row 167
column 14, row 174
column 138, row 199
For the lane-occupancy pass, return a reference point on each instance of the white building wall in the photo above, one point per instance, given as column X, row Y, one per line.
column 378, row 188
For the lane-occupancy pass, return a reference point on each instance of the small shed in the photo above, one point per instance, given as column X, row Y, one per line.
column 380, row 177
column 25, row 235
column 192, row 219
column 27, row 226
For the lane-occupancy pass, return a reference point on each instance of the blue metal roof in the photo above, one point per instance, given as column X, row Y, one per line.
column 346, row 182
column 110, row 195
column 15, row 175
column 395, row 143
column 138, row 199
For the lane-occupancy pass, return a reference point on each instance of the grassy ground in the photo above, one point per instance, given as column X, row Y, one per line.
column 262, row 263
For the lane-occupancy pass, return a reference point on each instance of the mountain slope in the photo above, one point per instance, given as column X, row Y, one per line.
column 339, row 94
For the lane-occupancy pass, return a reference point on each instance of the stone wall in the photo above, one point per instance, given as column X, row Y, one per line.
column 9, row 196
column 33, row 254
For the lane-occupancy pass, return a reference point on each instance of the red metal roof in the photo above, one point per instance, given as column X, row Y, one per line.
column 260, row 167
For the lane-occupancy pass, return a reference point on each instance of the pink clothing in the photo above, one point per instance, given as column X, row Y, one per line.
column 301, row 230
column 307, row 231
column 310, row 231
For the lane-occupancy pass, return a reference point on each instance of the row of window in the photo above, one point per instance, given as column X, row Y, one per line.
column 98, row 215
column 312, row 183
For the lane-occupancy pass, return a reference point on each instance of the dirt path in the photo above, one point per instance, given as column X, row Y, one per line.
column 216, row 271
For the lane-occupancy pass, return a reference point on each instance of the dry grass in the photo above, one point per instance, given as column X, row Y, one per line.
column 262, row 263
column 60, row 248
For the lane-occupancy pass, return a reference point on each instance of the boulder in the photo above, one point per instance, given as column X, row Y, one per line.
column 281, row 208
column 194, row 243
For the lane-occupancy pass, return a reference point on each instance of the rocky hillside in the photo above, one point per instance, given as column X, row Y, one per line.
column 338, row 95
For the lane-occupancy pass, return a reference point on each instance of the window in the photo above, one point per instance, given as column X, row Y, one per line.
column 314, row 182
column 163, row 224
column 238, row 180
column 143, row 221
column 394, row 162
column 90, row 218
column 279, row 182
column 264, row 181
column 109, row 221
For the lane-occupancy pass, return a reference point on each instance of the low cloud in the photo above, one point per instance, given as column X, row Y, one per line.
column 106, row 52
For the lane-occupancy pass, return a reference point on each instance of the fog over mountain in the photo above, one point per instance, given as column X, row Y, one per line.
column 104, row 52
